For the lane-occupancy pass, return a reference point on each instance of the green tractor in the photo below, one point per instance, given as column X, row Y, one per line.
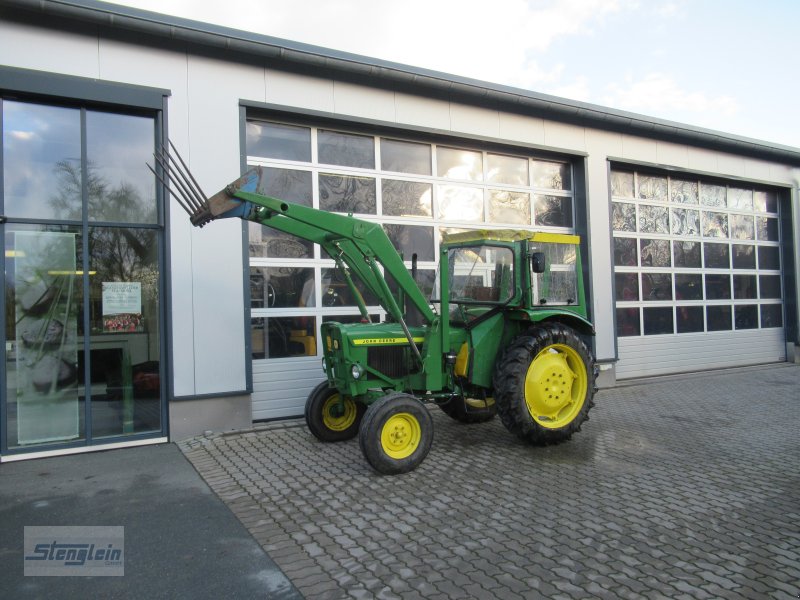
column 506, row 331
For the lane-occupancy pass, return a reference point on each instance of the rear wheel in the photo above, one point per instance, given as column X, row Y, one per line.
column 470, row 410
column 396, row 434
column 544, row 384
column 330, row 417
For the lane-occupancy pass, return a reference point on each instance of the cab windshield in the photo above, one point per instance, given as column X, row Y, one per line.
column 481, row 274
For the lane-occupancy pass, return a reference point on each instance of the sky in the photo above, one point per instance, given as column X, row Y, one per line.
column 725, row 65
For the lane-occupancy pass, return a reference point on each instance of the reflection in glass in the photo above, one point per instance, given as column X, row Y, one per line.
column 120, row 186
column 406, row 198
column 628, row 322
column 769, row 286
column 767, row 229
column 405, row 157
column 685, row 222
column 622, row 184
column 715, row 225
column 42, row 145
column 740, row 199
column 744, row 256
column 716, row 256
column 718, row 287
column 551, row 175
column 125, row 364
column 454, row 163
column 281, row 287
column 718, row 318
column 266, row 242
column 623, row 216
column 411, row 239
column 345, row 194
column 742, row 227
column 626, row 286
column 654, row 253
column 653, row 187
column 283, row 337
column 553, row 211
column 276, row 140
column 712, row 195
column 689, row 319
column 625, row 252
column 658, row 320
column 771, row 315
column 764, row 201
column 346, row 149
column 511, row 170
column 684, row 192
column 656, row 286
column 653, row 219
column 509, row 207
column 688, row 286
column 457, row 203
column 686, row 255
column 291, row 185
column 424, row 280
column 744, row 287
column 336, row 292
column 769, row 257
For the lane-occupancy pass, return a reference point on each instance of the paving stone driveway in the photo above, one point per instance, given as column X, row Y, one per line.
column 686, row 487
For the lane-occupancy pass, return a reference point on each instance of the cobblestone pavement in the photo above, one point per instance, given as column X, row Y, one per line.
column 684, row 487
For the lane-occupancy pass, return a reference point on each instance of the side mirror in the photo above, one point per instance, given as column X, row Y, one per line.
column 538, row 262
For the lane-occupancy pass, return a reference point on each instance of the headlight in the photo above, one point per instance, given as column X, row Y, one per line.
column 324, row 365
column 356, row 371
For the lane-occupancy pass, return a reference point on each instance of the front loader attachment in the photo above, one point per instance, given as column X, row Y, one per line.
column 174, row 174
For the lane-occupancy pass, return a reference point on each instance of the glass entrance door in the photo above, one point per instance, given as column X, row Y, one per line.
column 82, row 303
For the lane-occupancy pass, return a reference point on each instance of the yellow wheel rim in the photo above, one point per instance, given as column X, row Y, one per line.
column 555, row 386
column 338, row 416
column 401, row 435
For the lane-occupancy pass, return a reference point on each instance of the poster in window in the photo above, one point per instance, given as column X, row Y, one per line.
column 122, row 306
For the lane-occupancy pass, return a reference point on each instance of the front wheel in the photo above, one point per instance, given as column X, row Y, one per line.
column 330, row 417
column 544, row 384
column 396, row 434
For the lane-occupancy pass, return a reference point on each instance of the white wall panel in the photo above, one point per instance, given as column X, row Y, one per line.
column 702, row 160
column 519, row 128
column 639, row 149
column 675, row 155
column 282, row 386
column 660, row 355
column 26, row 47
column 422, row 112
column 302, row 92
column 363, row 102
column 472, row 120
column 567, row 137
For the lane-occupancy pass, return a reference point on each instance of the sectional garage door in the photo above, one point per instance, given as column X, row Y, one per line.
column 697, row 273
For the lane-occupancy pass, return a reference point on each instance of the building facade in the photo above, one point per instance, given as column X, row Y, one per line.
column 126, row 325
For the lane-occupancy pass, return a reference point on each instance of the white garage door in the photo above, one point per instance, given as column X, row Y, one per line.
column 414, row 188
column 697, row 272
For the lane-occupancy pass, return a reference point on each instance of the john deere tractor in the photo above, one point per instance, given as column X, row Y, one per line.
column 505, row 331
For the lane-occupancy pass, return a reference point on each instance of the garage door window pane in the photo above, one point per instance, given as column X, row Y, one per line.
column 346, row 149
column 746, row 316
column 275, row 140
column 689, row 319
column 406, row 198
column 744, row 257
column 653, row 188
column 770, row 286
column 767, row 229
column 405, row 157
column 554, row 211
column 685, row 222
column 686, row 254
column 623, row 216
column 712, row 195
column 658, row 320
column 281, row 287
column 292, row 185
column 344, row 194
column 656, row 286
column 653, row 219
column 551, row 175
column 744, row 287
column 688, row 286
column 627, row 286
column 683, row 192
column 769, row 257
column 455, row 163
column 336, row 292
column 718, row 287
column 411, row 239
column 511, row 170
column 458, row 203
column 628, row 322
column 771, row 315
column 622, row 184
column 742, row 227
column 654, row 253
column 625, row 252
column 283, row 337
column 265, row 242
column 509, row 207
column 718, row 318
column 740, row 199
column 715, row 225
column 765, row 201
column 716, row 256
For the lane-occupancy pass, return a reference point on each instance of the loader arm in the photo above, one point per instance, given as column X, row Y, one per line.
column 357, row 244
